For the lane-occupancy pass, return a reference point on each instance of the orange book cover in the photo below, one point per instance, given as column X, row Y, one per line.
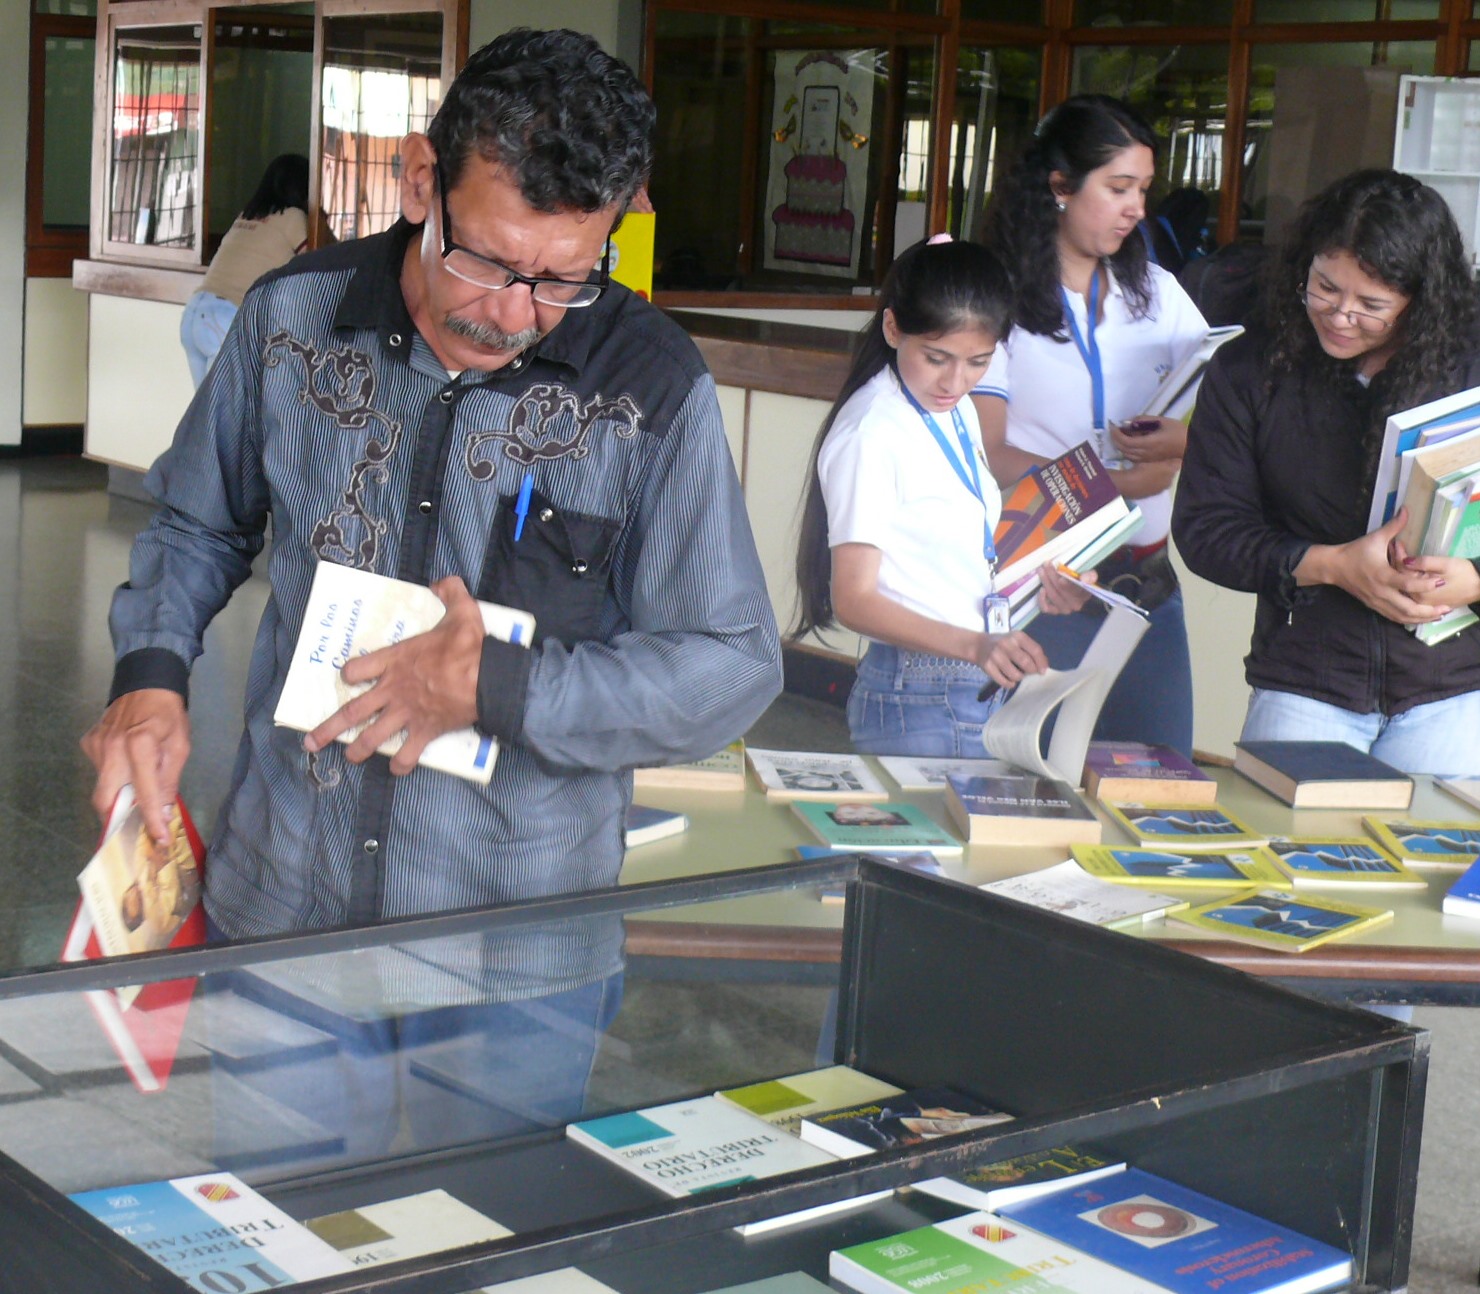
column 1047, row 506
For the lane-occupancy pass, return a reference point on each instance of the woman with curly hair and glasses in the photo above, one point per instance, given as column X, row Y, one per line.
column 1370, row 311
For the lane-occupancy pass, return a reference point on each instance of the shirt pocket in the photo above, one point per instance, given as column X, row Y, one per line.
column 558, row 569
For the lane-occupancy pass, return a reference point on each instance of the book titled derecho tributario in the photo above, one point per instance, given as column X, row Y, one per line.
column 215, row 1232
column 352, row 613
column 690, row 1146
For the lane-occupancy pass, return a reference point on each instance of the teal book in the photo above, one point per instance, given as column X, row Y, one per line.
column 875, row 828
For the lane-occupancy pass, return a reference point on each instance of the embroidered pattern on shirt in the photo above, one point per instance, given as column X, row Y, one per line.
column 550, row 422
column 341, row 384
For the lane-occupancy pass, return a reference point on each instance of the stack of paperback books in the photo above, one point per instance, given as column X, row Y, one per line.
column 1430, row 464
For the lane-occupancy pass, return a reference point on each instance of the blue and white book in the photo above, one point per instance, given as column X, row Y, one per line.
column 1182, row 1240
column 644, row 824
column 1463, row 898
column 352, row 613
column 215, row 1232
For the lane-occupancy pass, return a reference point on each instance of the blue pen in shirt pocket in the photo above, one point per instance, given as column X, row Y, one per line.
column 521, row 504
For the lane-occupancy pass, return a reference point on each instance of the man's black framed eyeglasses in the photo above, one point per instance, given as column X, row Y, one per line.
column 481, row 272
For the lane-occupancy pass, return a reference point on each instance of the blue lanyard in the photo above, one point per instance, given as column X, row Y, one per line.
column 1090, row 352
column 961, row 466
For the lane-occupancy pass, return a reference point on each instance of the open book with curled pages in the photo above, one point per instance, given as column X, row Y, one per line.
column 352, row 613
column 144, row 1025
column 1014, row 732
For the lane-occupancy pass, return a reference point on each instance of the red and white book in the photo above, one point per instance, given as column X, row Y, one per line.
column 144, row 1023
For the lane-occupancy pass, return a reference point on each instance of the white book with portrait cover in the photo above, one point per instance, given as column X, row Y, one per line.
column 814, row 775
column 351, row 613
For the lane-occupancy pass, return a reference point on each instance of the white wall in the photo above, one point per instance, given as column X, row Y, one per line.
column 1219, row 623
column 14, row 71
column 55, row 354
column 138, row 380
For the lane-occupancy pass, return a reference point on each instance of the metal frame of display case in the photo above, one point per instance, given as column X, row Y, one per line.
column 1301, row 1112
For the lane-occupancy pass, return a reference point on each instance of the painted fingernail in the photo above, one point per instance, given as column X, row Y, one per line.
column 1438, row 584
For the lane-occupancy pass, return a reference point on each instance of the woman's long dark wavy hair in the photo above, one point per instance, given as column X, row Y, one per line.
column 283, row 184
column 932, row 288
column 1401, row 233
column 1022, row 221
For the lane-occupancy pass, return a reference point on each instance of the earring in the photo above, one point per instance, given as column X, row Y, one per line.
column 1061, row 204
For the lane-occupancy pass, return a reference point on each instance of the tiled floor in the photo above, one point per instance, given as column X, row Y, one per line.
column 66, row 544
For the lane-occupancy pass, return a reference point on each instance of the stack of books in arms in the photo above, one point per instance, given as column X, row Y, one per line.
column 1430, row 464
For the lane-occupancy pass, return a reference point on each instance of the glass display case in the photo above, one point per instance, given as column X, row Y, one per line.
column 339, row 1069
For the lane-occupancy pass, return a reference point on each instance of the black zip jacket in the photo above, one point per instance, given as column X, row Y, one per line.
column 1270, row 470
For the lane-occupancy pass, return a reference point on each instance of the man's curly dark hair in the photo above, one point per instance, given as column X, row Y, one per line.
column 1401, row 232
column 570, row 121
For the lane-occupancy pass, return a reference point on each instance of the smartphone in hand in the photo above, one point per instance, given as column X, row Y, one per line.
column 1139, row 426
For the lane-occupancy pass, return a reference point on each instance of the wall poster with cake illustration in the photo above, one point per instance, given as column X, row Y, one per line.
column 819, row 161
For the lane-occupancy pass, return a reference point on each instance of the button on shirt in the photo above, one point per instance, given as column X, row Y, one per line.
column 1046, row 383
column 887, row 484
column 329, row 414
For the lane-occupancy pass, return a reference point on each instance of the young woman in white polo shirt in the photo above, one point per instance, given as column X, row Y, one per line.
column 1096, row 326
column 896, row 536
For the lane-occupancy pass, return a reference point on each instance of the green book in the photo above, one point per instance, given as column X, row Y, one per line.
column 874, row 828
column 977, row 1253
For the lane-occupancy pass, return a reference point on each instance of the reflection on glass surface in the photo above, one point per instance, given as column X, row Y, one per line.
column 996, row 110
column 1267, row 198
column 76, row 8
column 1182, row 90
column 67, row 169
column 262, row 101
column 456, row 1043
column 382, row 81
column 153, row 162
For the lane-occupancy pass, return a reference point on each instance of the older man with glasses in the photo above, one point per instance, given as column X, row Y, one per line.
column 466, row 402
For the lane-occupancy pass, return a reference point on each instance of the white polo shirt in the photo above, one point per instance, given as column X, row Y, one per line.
column 1047, row 384
column 887, row 483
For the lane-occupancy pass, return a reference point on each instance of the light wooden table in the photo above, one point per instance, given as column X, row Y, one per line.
column 1422, row 955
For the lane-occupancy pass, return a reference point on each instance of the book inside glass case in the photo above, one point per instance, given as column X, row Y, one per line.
column 528, row 1093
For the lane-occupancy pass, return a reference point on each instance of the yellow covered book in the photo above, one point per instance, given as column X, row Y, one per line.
column 1283, row 921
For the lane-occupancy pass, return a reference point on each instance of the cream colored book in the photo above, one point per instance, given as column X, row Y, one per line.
column 409, row 1227
column 722, row 771
column 782, row 1102
column 351, row 613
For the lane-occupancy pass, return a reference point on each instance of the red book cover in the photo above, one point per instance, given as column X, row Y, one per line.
column 1050, row 511
column 144, row 1027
